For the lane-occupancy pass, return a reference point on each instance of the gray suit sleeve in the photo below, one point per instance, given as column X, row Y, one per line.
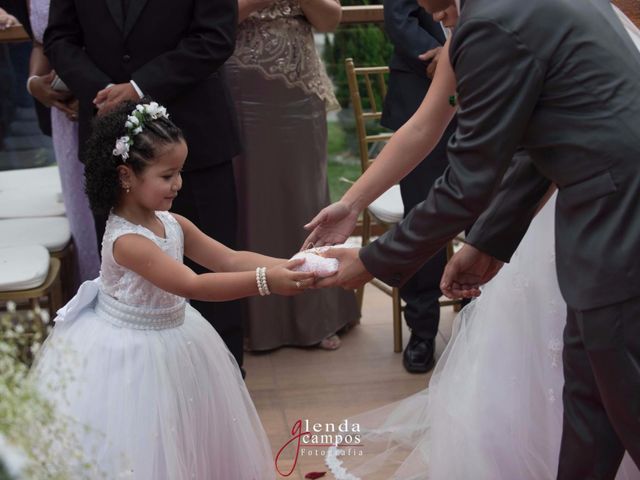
column 499, row 82
column 500, row 228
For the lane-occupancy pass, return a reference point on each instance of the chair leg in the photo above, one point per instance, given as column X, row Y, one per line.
column 397, row 321
column 55, row 297
column 360, row 297
column 366, row 228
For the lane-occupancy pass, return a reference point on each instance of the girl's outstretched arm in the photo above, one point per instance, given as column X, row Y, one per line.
column 215, row 256
column 406, row 149
column 144, row 257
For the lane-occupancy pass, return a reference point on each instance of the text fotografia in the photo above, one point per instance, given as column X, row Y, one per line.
column 315, row 439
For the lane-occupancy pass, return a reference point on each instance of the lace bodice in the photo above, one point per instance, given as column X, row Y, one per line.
column 278, row 41
column 127, row 286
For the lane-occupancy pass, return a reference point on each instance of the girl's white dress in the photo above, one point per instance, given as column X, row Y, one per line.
column 154, row 393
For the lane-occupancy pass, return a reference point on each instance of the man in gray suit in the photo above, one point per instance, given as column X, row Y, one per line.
column 559, row 79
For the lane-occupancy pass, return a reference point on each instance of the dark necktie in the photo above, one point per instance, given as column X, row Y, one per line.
column 125, row 8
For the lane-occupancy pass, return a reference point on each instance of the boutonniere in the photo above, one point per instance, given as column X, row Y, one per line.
column 453, row 100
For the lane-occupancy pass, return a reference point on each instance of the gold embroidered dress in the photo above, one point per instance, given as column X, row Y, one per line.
column 282, row 94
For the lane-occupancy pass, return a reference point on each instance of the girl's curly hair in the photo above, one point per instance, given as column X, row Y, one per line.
column 102, row 183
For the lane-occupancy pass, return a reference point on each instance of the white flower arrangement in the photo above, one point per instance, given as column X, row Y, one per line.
column 122, row 147
column 36, row 442
column 135, row 123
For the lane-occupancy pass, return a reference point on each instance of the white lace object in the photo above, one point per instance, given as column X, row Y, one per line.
column 314, row 262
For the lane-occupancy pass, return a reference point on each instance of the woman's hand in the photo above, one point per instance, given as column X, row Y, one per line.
column 323, row 15
column 448, row 17
column 74, row 105
column 247, row 7
column 282, row 280
column 7, row 20
column 332, row 225
column 40, row 89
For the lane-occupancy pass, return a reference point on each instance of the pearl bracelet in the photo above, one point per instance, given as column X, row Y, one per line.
column 261, row 281
column 29, row 83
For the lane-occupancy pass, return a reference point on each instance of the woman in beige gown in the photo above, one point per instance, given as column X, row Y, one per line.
column 282, row 94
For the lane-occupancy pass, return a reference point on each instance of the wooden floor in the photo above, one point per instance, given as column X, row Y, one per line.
column 631, row 8
column 293, row 384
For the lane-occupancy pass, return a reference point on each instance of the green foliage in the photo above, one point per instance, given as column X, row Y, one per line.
column 338, row 172
column 367, row 44
column 29, row 423
column 337, row 139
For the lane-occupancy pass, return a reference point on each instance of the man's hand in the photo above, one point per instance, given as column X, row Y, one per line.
column 332, row 225
column 431, row 56
column 351, row 274
column 466, row 271
column 108, row 98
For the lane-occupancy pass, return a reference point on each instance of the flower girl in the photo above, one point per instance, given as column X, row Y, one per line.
column 157, row 393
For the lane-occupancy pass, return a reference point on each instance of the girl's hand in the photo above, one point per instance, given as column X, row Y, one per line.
column 282, row 280
column 331, row 226
column 41, row 90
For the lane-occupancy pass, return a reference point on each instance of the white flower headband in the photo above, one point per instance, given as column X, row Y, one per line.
column 134, row 124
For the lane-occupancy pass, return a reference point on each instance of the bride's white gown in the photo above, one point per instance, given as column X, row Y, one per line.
column 493, row 409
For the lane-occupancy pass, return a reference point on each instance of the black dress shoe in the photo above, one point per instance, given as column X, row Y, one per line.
column 418, row 356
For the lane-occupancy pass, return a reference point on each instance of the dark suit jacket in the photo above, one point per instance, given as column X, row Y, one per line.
column 412, row 32
column 559, row 79
column 173, row 51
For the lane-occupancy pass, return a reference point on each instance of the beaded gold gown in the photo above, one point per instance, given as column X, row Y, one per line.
column 282, row 94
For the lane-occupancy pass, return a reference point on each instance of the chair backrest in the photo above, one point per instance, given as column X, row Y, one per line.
column 372, row 81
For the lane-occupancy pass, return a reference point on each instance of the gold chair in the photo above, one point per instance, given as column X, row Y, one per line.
column 50, row 289
column 388, row 209
column 67, row 260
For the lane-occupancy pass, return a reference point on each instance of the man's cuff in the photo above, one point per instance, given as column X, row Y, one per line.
column 376, row 265
column 136, row 88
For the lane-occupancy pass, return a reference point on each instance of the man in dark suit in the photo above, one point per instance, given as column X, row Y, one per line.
column 559, row 79
column 108, row 51
column 416, row 36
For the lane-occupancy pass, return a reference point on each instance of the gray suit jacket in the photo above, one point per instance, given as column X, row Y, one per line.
column 561, row 80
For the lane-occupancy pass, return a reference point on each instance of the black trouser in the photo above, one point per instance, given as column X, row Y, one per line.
column 602, row 391
column 208, row 199
column 422, row 292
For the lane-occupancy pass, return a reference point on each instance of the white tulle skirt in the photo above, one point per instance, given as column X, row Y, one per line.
column 151, row 398
column 493, row 409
